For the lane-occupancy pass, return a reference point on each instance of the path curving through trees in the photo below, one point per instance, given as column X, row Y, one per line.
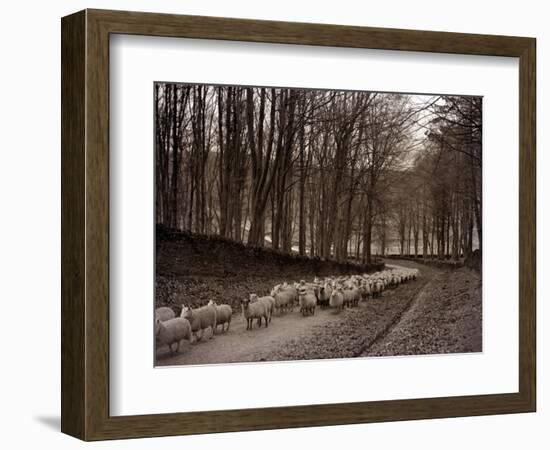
column 435, row 314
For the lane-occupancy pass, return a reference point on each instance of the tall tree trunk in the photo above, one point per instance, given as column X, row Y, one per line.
column 302, row 193
column 367, row 236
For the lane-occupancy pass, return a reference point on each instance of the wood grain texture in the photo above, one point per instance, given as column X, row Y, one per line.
column 152, row 24
column 73, row 227
column 527, row 224
column 85, row 224
column 97, row 225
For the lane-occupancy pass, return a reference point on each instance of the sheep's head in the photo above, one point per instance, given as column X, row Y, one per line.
column 211, row 303
column 187, row 312
column 245, row 302
column 253, row 297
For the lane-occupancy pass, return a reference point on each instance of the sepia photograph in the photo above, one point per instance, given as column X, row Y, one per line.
column 300, row 224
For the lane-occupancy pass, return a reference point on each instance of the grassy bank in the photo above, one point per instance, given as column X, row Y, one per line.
column 192, row 269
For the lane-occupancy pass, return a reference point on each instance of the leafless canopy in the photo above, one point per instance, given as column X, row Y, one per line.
column 327, row 173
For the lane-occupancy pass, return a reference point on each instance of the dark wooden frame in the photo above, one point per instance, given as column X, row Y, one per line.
column 85, row 224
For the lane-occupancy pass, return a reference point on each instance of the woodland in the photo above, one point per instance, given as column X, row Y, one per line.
column 343, row 175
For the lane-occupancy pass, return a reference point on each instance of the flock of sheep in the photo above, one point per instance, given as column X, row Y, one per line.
column 331, row 292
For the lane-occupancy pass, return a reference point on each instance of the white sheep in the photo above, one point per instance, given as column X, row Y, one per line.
column 201, row 319
column 269, row 302
column 323, row 295
column 223, row 315
column 284, row 296
column 351, row 297
column 251, row 311
column 394, row 280
column 164, row 313
column 377, row 288
column 307, row 301
column 365, row 290
column 172, row 331
column 337, row 299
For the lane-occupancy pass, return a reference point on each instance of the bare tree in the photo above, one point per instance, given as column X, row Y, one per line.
column 326, row 173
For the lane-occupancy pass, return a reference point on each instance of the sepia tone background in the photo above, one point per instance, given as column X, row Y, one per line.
column 258, row 186
column 321, row 173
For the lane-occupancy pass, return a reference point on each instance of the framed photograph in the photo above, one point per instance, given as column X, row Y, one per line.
column 273, row 225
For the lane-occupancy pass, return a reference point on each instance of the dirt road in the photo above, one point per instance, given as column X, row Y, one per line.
column 446, row 317
column 418, row 317
column 240, row 345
